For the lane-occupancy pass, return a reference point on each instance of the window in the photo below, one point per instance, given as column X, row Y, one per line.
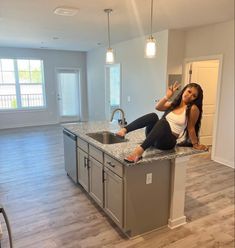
column 21, row 84
column 112, row 90
column 115, row 86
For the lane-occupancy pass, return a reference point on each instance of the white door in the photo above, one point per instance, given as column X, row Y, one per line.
column 112, row 90
column 206, row 74
column 68, row 95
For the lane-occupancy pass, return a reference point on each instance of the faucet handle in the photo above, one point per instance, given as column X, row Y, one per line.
column 120, row 122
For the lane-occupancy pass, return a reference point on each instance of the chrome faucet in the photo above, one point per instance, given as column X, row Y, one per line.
column 123, row 120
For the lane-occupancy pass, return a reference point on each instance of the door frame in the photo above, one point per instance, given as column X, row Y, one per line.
column 57, row 69
column 218, row 57
column 107, row 114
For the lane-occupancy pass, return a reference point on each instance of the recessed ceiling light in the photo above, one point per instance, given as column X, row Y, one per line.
column 65, row 11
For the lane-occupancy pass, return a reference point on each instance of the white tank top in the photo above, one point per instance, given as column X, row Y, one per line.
column 177, row 122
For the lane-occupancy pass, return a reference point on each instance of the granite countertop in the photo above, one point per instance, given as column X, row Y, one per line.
column 120, row 150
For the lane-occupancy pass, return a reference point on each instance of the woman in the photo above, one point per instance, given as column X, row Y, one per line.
column 182, row 116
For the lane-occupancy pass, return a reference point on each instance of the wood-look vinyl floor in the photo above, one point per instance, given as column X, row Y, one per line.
column 47, row 210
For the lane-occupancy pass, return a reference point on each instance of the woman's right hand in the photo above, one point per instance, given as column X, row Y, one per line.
column 171, row 90
column 200, row 147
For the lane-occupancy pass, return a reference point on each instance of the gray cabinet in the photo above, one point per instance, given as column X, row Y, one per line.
column 113, row 188
column 83, row 163
column 96, row 160
column 136, row 197
column 96, row 180
column 83, row 168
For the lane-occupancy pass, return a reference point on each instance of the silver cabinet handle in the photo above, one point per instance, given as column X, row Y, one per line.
column 110, row 163
column 88, row 163
column 85, row 162
column 104, row 176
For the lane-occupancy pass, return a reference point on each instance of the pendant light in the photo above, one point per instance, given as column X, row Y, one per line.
column 110, row 51
column 150, row 46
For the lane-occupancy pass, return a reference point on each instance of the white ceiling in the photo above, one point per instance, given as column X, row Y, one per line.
column 32, row 23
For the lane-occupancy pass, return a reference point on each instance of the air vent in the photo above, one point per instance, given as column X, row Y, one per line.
column 65, row 11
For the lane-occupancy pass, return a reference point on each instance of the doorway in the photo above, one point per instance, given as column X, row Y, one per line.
column 206, row 72
column 68, row 94
column 112, row 90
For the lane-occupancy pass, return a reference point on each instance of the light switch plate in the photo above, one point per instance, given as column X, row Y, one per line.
column 149, row 178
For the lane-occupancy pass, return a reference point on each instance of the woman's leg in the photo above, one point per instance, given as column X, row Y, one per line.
column 160, row 136
column 148, row 121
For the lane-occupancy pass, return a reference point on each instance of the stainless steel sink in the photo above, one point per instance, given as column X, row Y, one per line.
column 106, row 137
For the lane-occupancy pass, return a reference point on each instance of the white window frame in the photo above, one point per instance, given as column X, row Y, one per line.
column 18, row 84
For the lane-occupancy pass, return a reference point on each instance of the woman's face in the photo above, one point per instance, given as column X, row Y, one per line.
column 190, row 94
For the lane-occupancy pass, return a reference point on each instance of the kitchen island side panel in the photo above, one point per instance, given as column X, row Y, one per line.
column 146, row 202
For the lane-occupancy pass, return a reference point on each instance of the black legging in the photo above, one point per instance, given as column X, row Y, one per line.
column 158, row 132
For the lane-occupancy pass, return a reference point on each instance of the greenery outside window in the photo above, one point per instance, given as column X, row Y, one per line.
column 21, row 84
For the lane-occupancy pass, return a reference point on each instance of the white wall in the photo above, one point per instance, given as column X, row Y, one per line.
column 213, row 40
column 51, row 59
column 144, row 80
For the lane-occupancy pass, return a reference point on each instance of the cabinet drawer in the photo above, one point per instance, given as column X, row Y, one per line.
column 96, row 153
column 113, row 165
column 82, row 144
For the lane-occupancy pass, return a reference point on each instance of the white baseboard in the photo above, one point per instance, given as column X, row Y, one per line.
column 224, row 162
column 29, row 125
column 172, row 224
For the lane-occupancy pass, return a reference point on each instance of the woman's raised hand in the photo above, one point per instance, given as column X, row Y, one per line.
column 171, row 90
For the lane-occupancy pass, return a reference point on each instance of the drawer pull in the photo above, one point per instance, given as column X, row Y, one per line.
column 86, row 162
column 110, row 163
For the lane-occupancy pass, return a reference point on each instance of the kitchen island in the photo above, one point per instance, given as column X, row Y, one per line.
column 139, row 197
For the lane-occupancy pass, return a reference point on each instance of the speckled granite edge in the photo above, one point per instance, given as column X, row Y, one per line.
column 120, row 150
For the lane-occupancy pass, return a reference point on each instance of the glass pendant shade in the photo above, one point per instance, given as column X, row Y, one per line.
column 109, row 56
column 150, row 48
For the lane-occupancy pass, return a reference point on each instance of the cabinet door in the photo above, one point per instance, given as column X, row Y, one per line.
column 96, row 180
column 113, row 188
column 83, row 168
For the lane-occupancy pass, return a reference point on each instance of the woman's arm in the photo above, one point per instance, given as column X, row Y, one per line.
column 164, row 104
column 193, row 117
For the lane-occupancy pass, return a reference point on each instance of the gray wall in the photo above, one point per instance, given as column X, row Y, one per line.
column 176, row 50
column 144, row 80
column 51, row 59
column 175, row 56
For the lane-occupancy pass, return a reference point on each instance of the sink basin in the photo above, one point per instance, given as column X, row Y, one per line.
column 106, row 137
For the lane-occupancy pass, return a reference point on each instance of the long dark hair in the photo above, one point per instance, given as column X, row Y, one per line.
column 198, row 102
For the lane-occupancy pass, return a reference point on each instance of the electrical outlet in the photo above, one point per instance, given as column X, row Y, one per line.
column 149, row 178
column 128, row 99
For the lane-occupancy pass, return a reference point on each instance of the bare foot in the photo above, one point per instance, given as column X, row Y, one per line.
column 122, row 132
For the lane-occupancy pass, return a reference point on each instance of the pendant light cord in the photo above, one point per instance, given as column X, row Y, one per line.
column 151, row 25
column 108, row 13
